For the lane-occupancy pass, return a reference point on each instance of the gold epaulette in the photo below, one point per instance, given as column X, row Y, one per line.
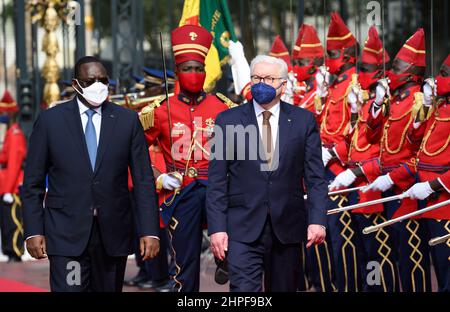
column 147, row 117
column 147, row 114
column 226, row 100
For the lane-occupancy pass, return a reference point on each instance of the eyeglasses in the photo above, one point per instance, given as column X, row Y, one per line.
column 88, row 82
column 266, row 80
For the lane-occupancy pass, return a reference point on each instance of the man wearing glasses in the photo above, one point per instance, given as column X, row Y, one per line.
column 85, row 226
column 255, row 207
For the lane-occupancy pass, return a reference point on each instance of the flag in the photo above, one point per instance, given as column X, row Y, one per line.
column 213, row 15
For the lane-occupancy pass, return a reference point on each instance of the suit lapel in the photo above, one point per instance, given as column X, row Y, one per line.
column 73, row 121
column 108, row 121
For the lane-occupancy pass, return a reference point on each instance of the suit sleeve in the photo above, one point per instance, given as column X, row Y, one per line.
column 143, row 183
column 216, row 193
column 34, row 180
column 315, row 175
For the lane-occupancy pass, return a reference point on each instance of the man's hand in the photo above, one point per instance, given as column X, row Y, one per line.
column 149, row 247
column 8, row 198
column 169, row 182
column 219, row 244
column 344, row 179
column 36, row 247
column 382, row 184
column 420, row 191
column 326, row 156
column 316, row 235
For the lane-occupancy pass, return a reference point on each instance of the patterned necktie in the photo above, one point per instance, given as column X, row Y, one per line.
column 267, row 136
column 91, row 138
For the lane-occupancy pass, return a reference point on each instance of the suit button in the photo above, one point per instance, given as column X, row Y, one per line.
column 192, row 109
column 96, row 182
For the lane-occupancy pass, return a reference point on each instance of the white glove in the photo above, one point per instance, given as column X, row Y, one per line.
column 429, row 91
column 326, row 156
column 288, row 95
column 382, row 184
column 381, row 91
column 352, row 98
column 240, row 68
column 169, row 182
column 419, row 191
column 344, row 179
column 323, row 80
column 8, row 198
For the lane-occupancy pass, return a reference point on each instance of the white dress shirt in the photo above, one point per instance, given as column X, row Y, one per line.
column 275, row 110
column 96, row 118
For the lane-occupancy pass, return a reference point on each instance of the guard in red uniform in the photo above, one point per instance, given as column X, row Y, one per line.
column 183, row 126
column 431, row 168
column 12, row 157
column 279, row 50
column 332, row 96
column 391, row 123
column 355, row 152
column 307, row 56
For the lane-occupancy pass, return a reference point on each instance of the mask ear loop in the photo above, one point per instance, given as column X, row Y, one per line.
column 82, row 89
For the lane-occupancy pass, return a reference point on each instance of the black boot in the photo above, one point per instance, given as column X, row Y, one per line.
column 134, row 281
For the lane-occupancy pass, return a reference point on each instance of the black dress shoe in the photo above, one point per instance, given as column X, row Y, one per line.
column 221, row 274
column 134, row 281
column 152, row 284
column 167, row 287
column 14, row 259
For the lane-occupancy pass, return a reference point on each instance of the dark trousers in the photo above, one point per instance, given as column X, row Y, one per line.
column 185, row 234
column 319, row 265
column 377, row 254
column 11, row 226
column 155, row 269
column 440, row 254
column 344, row 243
column 93, row 271
column 267, row 256
column 158, row 268
column 375, row 251
column 411, row 249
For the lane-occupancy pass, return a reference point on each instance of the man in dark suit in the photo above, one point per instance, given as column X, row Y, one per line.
column 256, row 211
column 85, row 223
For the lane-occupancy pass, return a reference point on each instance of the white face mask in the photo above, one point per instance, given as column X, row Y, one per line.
column 95, row 94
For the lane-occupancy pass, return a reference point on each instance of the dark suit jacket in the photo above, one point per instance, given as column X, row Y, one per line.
column 240, row 195
column 58, row 149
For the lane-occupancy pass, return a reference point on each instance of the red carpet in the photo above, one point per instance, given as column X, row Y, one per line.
column 7, row 285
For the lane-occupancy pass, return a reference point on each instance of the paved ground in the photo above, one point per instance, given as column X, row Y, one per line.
column 36, row 273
